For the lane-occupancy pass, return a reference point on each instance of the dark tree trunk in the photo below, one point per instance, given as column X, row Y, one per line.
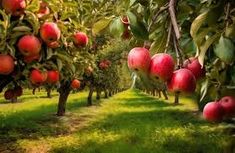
column 106, row 94
column 89, row 99
column 49, row 93
column 98, row 93
column 14, row 100
column 153, row 92
column 165, row 94
column 110, row 93
column 64, row 91
column 176, row 102
column 159, row 94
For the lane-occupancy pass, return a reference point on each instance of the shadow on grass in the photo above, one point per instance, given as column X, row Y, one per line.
column 37, row 123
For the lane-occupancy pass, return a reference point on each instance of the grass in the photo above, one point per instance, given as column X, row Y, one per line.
column 128, row 122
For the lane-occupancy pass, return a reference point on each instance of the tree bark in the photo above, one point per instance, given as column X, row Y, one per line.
column 98, row 93
column 49, row 93
column 176, row 102
column 165, row 94
column 89, row 99
column 110, row 93
column 106, row 94
column 64, row 92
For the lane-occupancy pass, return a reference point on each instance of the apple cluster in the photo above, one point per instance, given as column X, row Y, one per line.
column 30, row 46
column 218, row 110
column 161, row 67
column 104, row 64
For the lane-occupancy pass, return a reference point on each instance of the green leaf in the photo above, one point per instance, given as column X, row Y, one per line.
column 59, row 64
column 197, row 23
column 225, row 50
column 132, row 18
column 116, row 27
column 21, row 29
column 203, row 49
column 33, row 6
column 204, row 89
column 139, row 30
column 100, row 25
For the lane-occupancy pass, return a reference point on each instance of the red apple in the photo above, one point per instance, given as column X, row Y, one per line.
column 139, row 59
column 228, row 103
column 6, row 64
column 18, row 91
column 9, row 94
column 53, row 45
column 162, row 66
column 53, row 76
column 37, row 77
column 29, row 59
column 125, row 20
column 75, row 84
column 44, row 10
column 29, row 45
column 213, row 112
column 182, row 80
column 195, row 67
column 14, row 7
column 80, row 39
column 126, row 34
column 50, row 32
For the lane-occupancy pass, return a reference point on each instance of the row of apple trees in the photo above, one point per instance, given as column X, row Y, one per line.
column 51, row 44
column 185, row 46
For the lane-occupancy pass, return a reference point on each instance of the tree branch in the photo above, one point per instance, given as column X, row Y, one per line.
column 173, row 18
column 162, row 9
column 168, row 37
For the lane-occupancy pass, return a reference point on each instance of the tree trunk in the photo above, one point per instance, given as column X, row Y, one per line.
column 89, row 99
column 159, row 94
column 165, row 94
column 14, row 100
column 176, row 102
column 110, row 93
column 98, row 93
column 106, row 94
column 49, row 93
column 64, row 91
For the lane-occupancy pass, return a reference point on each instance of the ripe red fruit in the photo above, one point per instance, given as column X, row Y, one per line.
column 53, row 45
column 14, row 7
column 125, row 20
column 37, row 77
column 44, row 10
column 18, row 91
column 213, row 112
column 50, row 32
column 195, row 67
column 75, row 84
column 29, row 45
column 228, row 103
column 53, row 76
column 6, row 64
column 126, row 34
column 29, row 59
column 182, row 80
column 80, row 39
column 103, row 65
column 9, row 94
column 162, row 66
column 139, row 59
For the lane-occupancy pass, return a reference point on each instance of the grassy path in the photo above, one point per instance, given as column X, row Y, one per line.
column 129, row 122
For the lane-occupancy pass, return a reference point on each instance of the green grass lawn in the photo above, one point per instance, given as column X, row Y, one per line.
column 129, row 122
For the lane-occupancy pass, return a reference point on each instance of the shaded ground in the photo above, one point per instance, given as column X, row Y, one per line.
column 129, row 122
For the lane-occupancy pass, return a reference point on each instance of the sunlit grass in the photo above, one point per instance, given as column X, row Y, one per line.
column 129, row 122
